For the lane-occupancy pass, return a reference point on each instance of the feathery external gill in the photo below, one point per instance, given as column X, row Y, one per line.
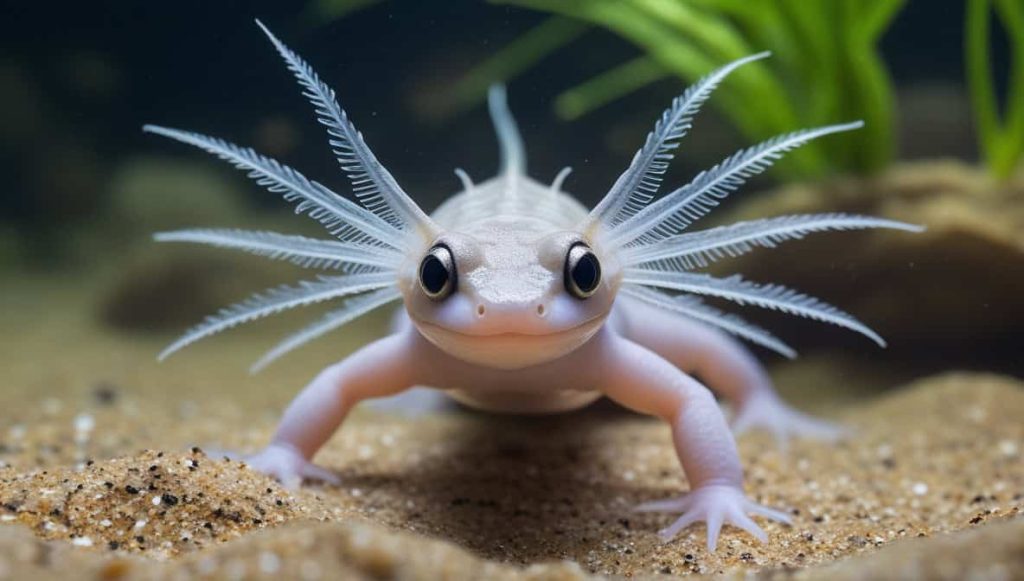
column 638, row 185
column 691, row 250
column 300, row 250
column 510, row 143
column 646, row 234
column 371, row 242
column 281, row 299
column 734, row 288
column 675, row 211
column 352, row 309
column 692, row 307
column 342, row 218
column 372, row 183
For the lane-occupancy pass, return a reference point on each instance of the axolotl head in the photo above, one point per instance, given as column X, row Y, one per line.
column 508, row 297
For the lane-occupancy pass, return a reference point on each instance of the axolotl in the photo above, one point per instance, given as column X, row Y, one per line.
column 517, row 298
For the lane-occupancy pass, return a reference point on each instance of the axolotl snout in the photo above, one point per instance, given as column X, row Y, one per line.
column 518, row 298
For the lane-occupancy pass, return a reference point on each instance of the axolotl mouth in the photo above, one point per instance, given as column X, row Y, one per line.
column 509, row 350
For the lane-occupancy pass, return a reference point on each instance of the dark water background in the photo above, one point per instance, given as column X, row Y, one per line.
column 79, row 79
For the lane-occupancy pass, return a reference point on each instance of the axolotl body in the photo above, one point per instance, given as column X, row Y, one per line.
column 517, row 298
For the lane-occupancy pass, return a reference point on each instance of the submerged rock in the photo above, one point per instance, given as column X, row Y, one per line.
column 951, row 294
column 153, row 193
column 168, row 288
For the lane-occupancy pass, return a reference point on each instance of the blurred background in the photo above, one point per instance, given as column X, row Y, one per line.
column 940, row 84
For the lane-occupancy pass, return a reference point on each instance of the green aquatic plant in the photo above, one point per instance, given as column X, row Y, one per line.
column 516, row 57
column 324, row 11
column 1000, row 136
column 829, row 45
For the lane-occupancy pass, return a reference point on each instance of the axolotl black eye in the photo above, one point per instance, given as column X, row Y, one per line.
column 437, row 273
column 582, row 271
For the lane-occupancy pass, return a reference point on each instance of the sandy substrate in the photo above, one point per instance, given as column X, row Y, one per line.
column 938, row 458
column 99, row 477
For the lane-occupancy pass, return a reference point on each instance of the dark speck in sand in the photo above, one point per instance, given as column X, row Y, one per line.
column 105, row 393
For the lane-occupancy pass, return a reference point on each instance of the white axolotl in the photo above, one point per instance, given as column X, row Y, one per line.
column 519, row 299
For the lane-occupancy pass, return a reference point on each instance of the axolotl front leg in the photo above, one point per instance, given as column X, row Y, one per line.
column 385, row 367
column 643, row 381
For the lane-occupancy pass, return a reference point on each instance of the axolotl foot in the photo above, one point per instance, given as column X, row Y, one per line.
column 714, row 504
column 288, row 466
column 768, row 412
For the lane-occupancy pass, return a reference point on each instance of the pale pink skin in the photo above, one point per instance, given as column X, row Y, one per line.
column 563, row 356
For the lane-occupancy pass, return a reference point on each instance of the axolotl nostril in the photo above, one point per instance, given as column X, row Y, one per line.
column 518, row 298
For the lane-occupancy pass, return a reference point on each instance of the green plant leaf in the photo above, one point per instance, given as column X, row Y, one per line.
column 875, row 18
column 517, row 57
column 1001, row 138
column 324, row 11
column 828, row 68
column 1012, row 14
column 608, row 86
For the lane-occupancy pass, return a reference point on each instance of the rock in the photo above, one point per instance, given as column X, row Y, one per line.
column 164, row 286
column 153, row 193
column 12, row 253
column 948, row 297
column 169, row 286
column 170, row 289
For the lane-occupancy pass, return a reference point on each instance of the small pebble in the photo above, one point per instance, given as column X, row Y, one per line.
column 1008, row 448
column 84, row 423
column 51, row 406
column 269, row 563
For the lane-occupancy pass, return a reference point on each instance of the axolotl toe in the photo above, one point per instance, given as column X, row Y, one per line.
column 518, row 298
